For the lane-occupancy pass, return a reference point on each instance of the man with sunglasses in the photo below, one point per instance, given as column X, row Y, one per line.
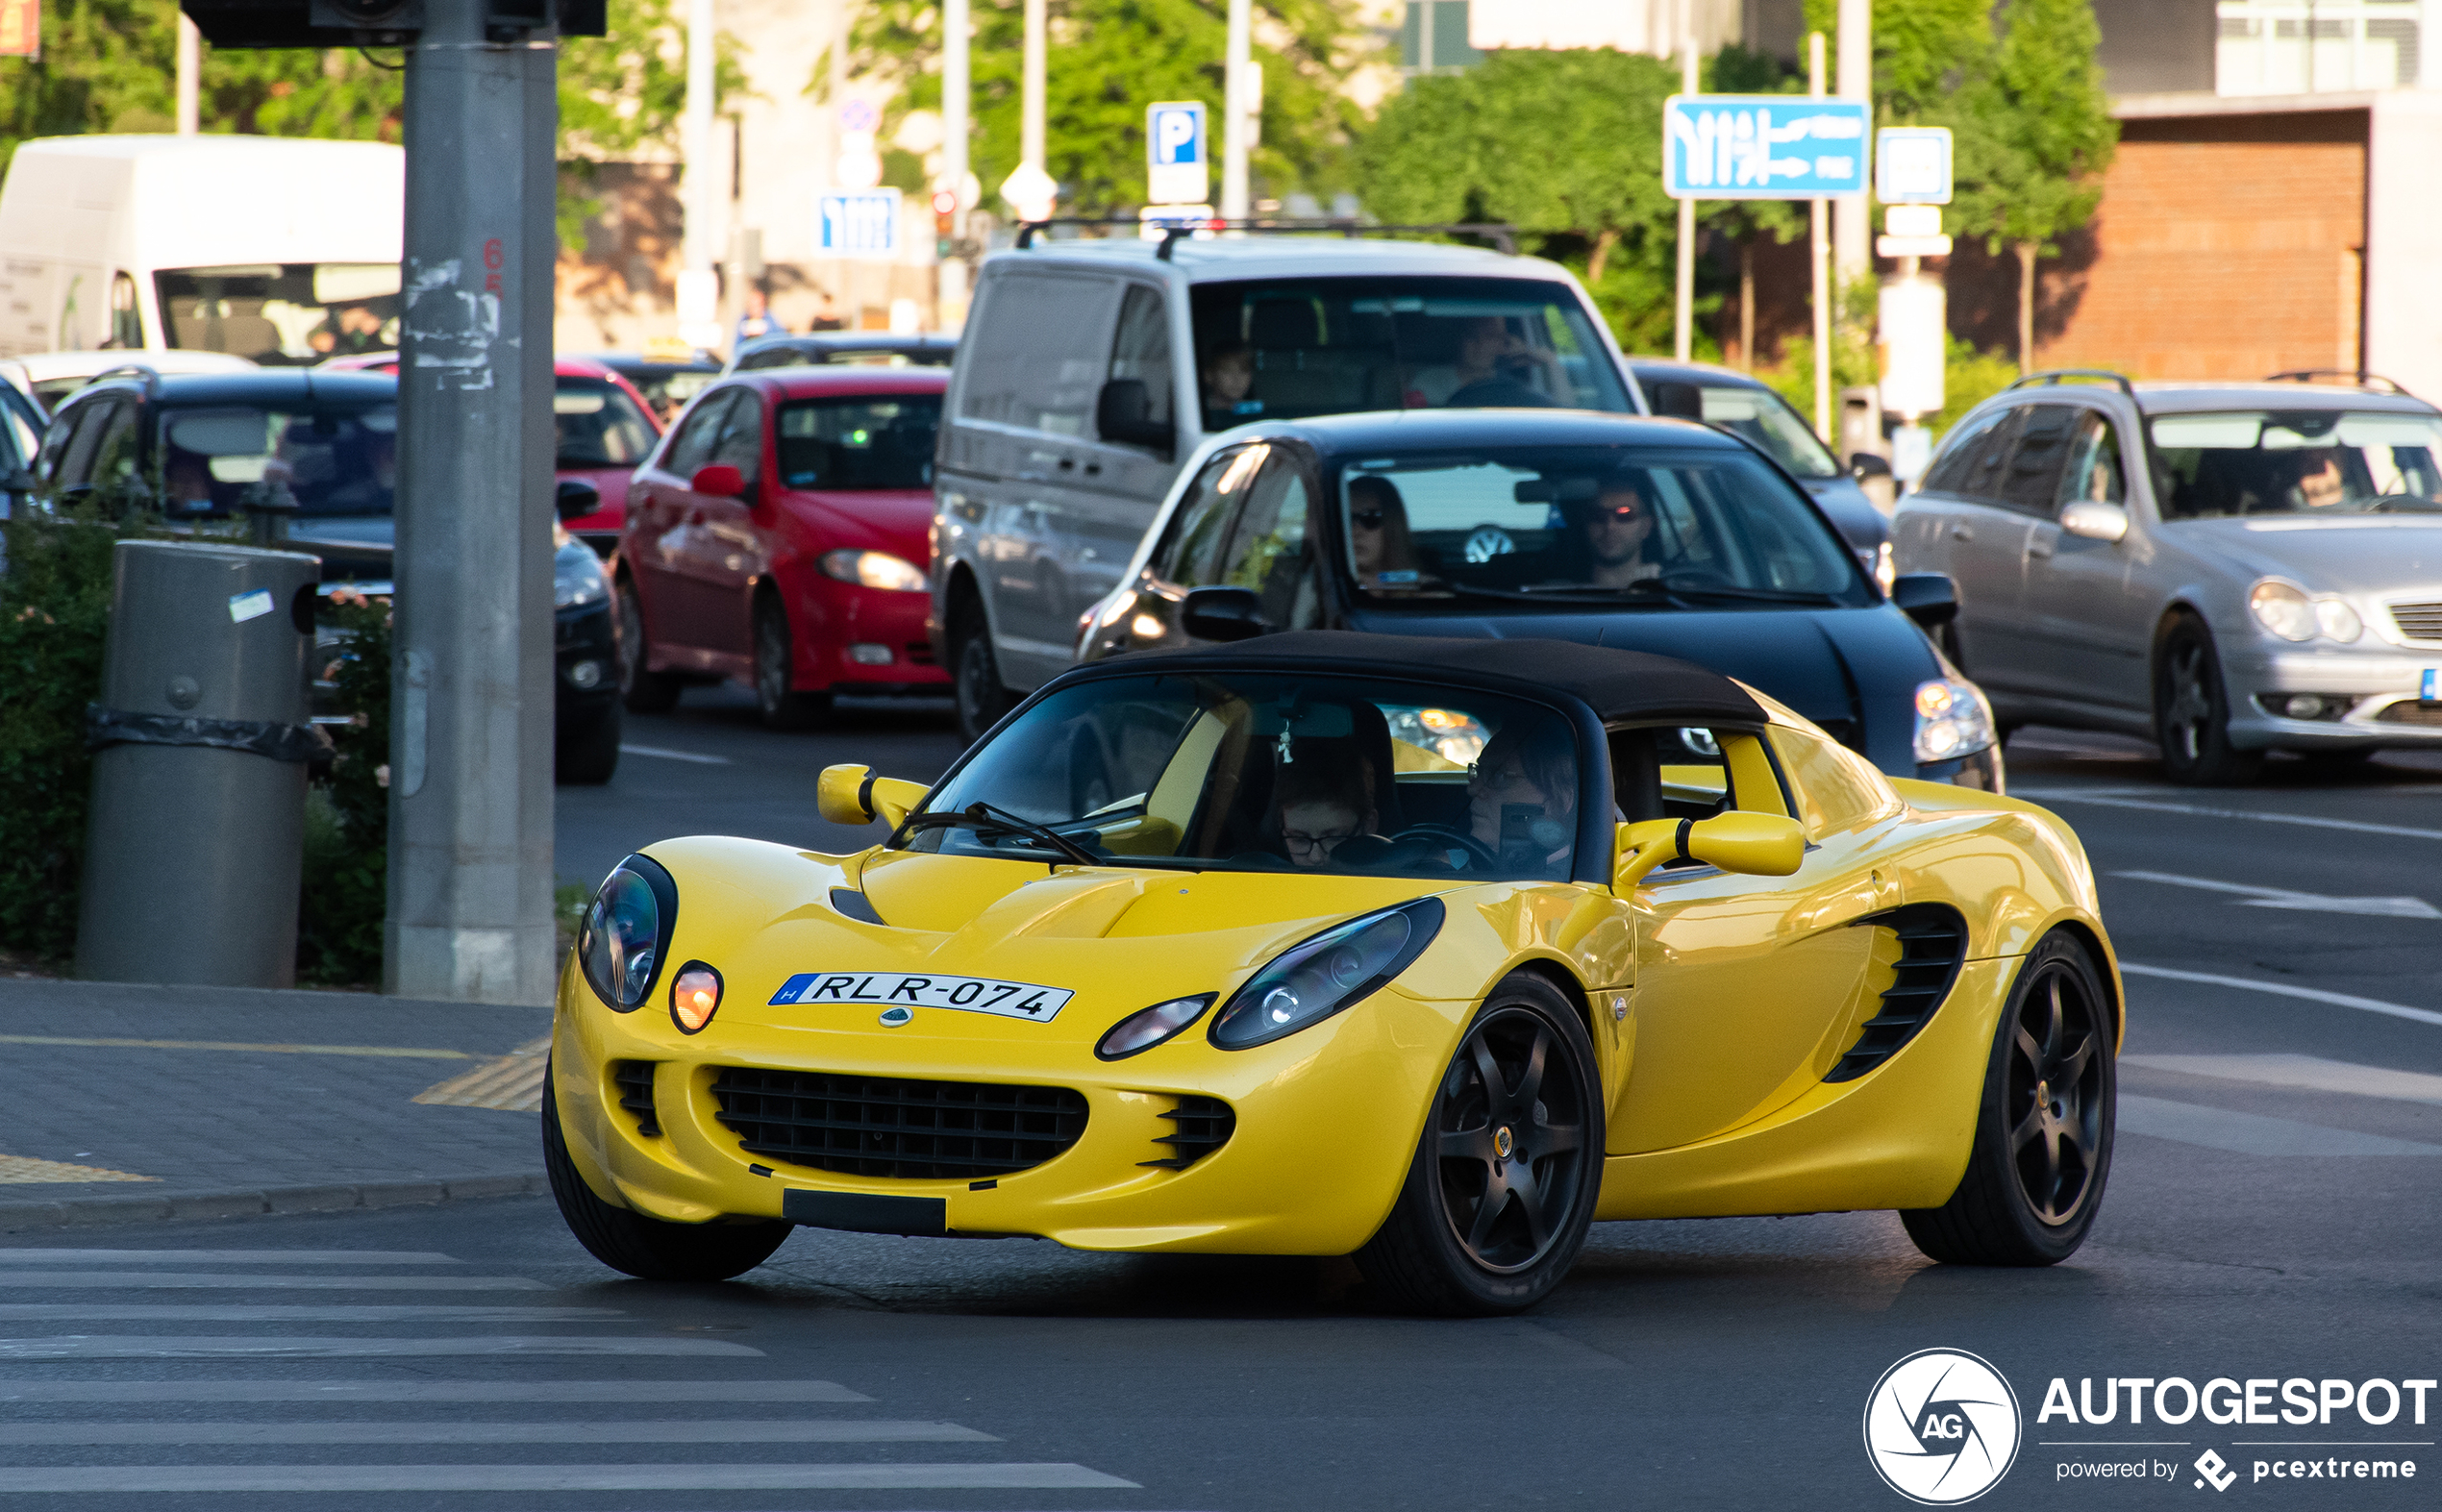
column 1617, row 528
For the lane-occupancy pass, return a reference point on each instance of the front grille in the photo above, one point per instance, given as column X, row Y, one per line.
column 2418, row 621
column 634, row 1081
column 1932, row 943
column 1203, row 1125
column 889, row 1127
column 2410, row 713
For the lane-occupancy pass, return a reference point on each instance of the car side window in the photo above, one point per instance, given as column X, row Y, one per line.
column 1038, row 359
column 2094, row 474
column 68, row 449
column 1962, row 459
column 1141, row 348
column 1191, row 542
column 692, row 447
column 1270, row 547
column 2030, row 480
column 741, row 442
column 114, row 470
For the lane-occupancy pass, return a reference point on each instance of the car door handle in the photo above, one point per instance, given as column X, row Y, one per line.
column 1093, row 469
column 1962, row 533
column 1066, row 463
column 2038, row 548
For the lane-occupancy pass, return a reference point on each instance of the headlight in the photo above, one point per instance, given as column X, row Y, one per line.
column 2283, row 610
column 1952, row 720
column 1315, row 979
column 626, row 932
column 874, row 569
column 1147, row 1028
column 2338, row 621
column 576, row 577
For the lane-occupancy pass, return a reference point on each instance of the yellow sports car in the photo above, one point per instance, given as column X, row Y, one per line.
column 1428, row 951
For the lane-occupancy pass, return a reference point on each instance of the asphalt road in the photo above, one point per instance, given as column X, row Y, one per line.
column 2273, row 1215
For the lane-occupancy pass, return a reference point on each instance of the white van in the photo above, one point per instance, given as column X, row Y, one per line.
column 1090, row 370
column 279, row 250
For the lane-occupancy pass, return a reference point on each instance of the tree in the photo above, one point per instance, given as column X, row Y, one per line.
column 1109, row 58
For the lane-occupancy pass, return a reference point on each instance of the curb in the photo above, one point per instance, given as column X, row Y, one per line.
column 192, row 1206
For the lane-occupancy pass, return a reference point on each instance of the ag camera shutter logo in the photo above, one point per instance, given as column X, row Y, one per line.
column 1942, row 1427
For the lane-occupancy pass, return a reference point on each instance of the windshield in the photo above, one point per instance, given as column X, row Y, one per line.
column 1291, row 348
column 2296, row 461
column 283, row 314
column 858, row 443
column 1274, row 773
column 1765, row 418
column 1573, row 522
column 599, row 425
column 216, row 462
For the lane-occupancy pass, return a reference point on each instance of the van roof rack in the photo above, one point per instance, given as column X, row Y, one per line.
column 1503, row 236
column 2357, row 376
column 2057, row 374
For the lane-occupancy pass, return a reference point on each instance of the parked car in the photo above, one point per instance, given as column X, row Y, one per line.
column 779, row 535
column 2230, row 569
column 48, row 377
column 605, row 431
column 667, row 379
column 312, row 456
column 1089, row 371
column 856, row 348
column 1750, row 409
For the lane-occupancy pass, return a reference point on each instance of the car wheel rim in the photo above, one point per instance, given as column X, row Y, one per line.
column 1509, row 1139
column 631, row 641
column 973, row 669
column 2055, row 1100
column 2188, row 710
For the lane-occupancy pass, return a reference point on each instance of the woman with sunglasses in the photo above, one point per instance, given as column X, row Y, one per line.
column 1379, row 545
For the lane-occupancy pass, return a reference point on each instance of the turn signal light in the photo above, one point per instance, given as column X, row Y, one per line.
column 695, row 996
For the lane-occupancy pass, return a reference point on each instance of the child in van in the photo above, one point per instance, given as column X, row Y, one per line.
column 1229, row 374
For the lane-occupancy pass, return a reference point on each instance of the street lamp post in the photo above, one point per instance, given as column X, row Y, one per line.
column 1233, row 111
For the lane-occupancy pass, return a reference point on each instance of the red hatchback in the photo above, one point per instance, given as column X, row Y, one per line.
column 780, row 534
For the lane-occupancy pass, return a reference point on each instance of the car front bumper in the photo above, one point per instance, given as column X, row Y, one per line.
column 585, row 659
column 2370, row 694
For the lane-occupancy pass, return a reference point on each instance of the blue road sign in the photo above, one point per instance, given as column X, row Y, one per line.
column 858, row 223
column 1911, row 165
column 1763, row 147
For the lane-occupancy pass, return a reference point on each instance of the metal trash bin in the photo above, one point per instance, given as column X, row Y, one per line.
column 202, row 742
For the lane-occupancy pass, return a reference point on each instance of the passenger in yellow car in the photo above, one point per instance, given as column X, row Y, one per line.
column 1323, row 805
column 1522, row 792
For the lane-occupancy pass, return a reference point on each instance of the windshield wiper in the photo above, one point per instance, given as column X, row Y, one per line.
column 980, row 815
column 1559, row 592
column 1726, row 591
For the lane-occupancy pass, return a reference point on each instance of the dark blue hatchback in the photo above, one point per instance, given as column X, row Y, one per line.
column 1656, row 535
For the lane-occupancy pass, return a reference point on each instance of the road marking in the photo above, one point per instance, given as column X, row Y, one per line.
column 2252, row 1133
column 2305, row 902
column 668, row 754
column 684, row 1430
column 34, row 1256
column 510, row 1084
column 2311, row 1073
column 240, row 1280
column 270, row 1312
column 629, row 1392
column 27, row 1171
column 2396, row 1011
column 209, row 1346
column 353, row 1479
column 2113, row 799
column 384, row 1051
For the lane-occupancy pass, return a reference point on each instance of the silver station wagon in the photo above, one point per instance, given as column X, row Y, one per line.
column 2230, row 569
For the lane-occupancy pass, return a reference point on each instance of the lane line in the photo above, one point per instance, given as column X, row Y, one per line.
column 666, row 753
column 206, row 1312
column 683, row 1430
column 2342, row 999
column 2252, row 1133
column 209, row 1346
column 2310, row 1073
column 35, row 1256
column 243, row 1281
column 347, row 1479
column 2200, row 810
column 384, row 1051
column 627, row 1391
column 2249, row 896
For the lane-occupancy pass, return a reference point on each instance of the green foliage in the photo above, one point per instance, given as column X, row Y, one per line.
column 2035, row 129
column 348, row 822
column 1108, row 61
column 1969, row 378
column 55, row 610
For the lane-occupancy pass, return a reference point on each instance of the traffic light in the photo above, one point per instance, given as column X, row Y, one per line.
column 945, row 211
column 377, row 23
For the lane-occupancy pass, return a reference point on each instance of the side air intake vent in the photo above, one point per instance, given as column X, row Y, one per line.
column 1932, row 943
column 1202, row 1126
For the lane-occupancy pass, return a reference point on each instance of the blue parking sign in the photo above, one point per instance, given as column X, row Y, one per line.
column 858, row 223
column 1177, row 155
column 1763, row 147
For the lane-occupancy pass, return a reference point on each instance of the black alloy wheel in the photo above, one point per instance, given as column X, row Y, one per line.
column 646, row 691
column 975, row 676
column 776, row 697
column 2044, row 1132
column 2191, row 711
column 1502, row 1190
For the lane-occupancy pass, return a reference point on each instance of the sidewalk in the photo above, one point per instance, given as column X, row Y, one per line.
column 217, row 1101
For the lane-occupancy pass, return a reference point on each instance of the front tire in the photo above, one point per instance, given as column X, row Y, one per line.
column 2044, row 1128
column 1499, row 1196
column 647, row 1248
column 645, row 690
column 2192, row 714
column 975, row 676
column 776, row 697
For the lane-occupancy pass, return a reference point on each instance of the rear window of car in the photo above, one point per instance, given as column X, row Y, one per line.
column 598, row 424
column 218, row 462
column 858, row 443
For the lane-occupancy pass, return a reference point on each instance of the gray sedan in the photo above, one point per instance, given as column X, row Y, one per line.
column 2228, row 569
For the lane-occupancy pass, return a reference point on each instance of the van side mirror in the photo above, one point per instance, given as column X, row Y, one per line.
column 1929, row 598
column 1865, row 465
column 1222, row 615
column 853, row 795
column 1749, row 844
column 2095, row 520
column 575, row 499
column 1122, row 413
column 720, row 480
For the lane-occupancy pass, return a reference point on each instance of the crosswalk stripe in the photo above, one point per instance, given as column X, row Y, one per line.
column 206, row 1347
column 622, row 1391
column 248, row 1281
column 2254, row 1133
column 779, row 1430
column 225, row 1257
column 347, row 1479
column 208, row 1312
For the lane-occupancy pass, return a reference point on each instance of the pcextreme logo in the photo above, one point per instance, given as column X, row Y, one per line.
column 1941, row 1427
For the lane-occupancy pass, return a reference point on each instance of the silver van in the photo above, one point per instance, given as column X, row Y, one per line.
column 1089, row 371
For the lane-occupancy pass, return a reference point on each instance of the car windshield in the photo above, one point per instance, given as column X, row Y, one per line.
column 858, row 443
column 1574, row 524
column 1291, row 348
column 1272, row 773
column 283, row 314
column 215, row 462
column 599, row 425
column 1765, row 418
column 2297, row 462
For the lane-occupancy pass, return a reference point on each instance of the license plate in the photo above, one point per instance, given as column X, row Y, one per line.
column 883, row 989
column 2429, row 685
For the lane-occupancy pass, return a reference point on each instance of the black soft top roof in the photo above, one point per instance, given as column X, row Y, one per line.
column 1616, row 684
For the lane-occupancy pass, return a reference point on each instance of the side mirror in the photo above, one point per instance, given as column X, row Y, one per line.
column 2095, row 520
column 575, row 499
column 1865, row 465
column 853, row 795
column 720, row 480
column 1223, row 614
column 1929, row 598
column 1122, row 413
column 1749, row 844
